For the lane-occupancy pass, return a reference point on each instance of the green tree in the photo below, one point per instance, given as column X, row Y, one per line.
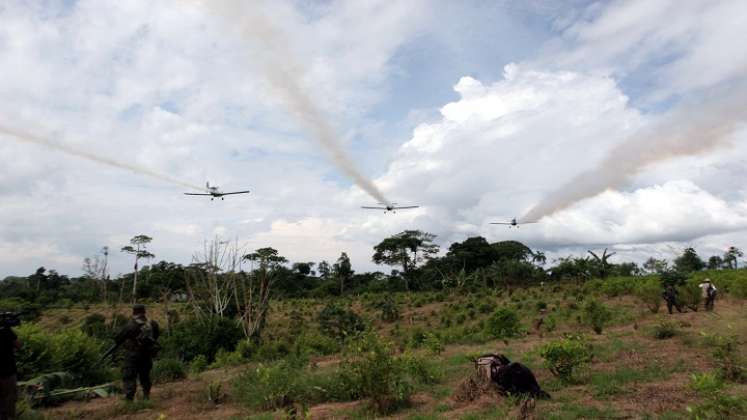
column 407, row 249
column 138, row 249
column 253, row 291
column 731, row 255
column 511, row 250
column 343, row 271
column 689, row 261
column 472, row 254
column 655, row 266
column 715, row 262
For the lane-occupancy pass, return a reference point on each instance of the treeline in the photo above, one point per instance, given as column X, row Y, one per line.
column 413, row 258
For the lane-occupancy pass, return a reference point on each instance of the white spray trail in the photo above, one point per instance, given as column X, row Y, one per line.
column 689, row 131
column 72, row 151
column 285, row 76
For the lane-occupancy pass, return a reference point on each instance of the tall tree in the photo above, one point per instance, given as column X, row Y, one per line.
column 731, row 255
column 407, row 249
column 343, row 271
column 138, row 248
column 689, row 261
column 253, row 291
column 715, row 262
column 472, row 254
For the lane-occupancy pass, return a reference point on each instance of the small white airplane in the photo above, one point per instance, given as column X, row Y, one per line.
column 214, row 192
column 391, row 207
column 512, row 223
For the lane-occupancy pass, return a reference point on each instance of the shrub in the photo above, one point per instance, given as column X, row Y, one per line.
column 596, row 315
column 339, row 323
column 433, row 343
column 167, row 370
column 503, row 323
column 564, row 357
column 727, row 356
column 69, row 351
column 690, row 295
column 198, row 364
column 228, row 358
column 664, row 330
column 720, row 407
column 94, row 325
column 706, row 383
column 313, row 343
column 376, row 374
column 649, row 291
column 194, row 337
column 389, row 310
column 617, row 286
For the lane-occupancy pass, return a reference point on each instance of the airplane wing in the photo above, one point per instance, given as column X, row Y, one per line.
column 526, row 223
column 500, row 223
column 373, row 208
column 405, row 207
column 235, row 192
column 196, row 194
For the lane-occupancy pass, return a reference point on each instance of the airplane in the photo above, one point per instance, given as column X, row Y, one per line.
column 391, row 207
column 214, row 192
column 512, row 223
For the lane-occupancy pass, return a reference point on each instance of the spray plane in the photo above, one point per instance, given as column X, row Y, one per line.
column 389, row 207
column 214, row 192
column 512, row 223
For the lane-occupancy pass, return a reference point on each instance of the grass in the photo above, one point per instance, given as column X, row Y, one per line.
column 621, row 381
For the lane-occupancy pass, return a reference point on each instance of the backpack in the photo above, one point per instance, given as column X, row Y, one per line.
column 711, row 291
column 146, row 340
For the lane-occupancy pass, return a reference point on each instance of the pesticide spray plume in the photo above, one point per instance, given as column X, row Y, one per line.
column 689, row 131
column 286, row 78
column 82, row 154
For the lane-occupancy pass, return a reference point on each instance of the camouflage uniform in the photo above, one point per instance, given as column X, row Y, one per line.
column 670, row 295
column 138, row 361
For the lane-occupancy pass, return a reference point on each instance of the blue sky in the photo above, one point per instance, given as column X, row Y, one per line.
column 478, row 111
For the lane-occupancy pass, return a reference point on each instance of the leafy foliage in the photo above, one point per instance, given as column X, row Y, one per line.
column 596, row 315
column 504, row 323
column 168, row 370
column 339, row 323
column 194, row 337
column 564, row 357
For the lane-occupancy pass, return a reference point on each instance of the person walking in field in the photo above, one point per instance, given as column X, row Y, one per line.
column 139, row 337
column 670, row 296
column 709, row 293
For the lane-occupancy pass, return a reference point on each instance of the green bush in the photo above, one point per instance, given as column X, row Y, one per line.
column 433, row 343
column 727, row 357
column 313, row 343
column 167, row 370
column 690, row 294
column 228, row 358
column 564, row 357
column 193, row 337
column 198, row 364
column 69, row 351
column 339, row 323
column 664, row 330
column 649, row 291
column 389, row 310
column 94, row 325
column 706, row 383
column 720, row 407
column 618, row 286
column 596, row 315
column 504, row 323
column 373, row 372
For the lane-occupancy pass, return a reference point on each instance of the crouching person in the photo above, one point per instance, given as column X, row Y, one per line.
column 139, row 338
column 510, row 377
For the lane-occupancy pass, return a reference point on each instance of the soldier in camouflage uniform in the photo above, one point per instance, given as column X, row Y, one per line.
column 139, row 337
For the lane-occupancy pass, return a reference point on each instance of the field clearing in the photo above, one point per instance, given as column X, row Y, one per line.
column 632, row 374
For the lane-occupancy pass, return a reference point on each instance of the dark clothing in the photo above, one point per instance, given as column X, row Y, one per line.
column 670, row 295
column 131, row 372
column 138, row 359
column 7, row 352
column 709, row 302
column 513, row 378
column 8, row 397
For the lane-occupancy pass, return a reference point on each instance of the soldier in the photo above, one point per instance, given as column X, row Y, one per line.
column 670, row 295
column 139, row 337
